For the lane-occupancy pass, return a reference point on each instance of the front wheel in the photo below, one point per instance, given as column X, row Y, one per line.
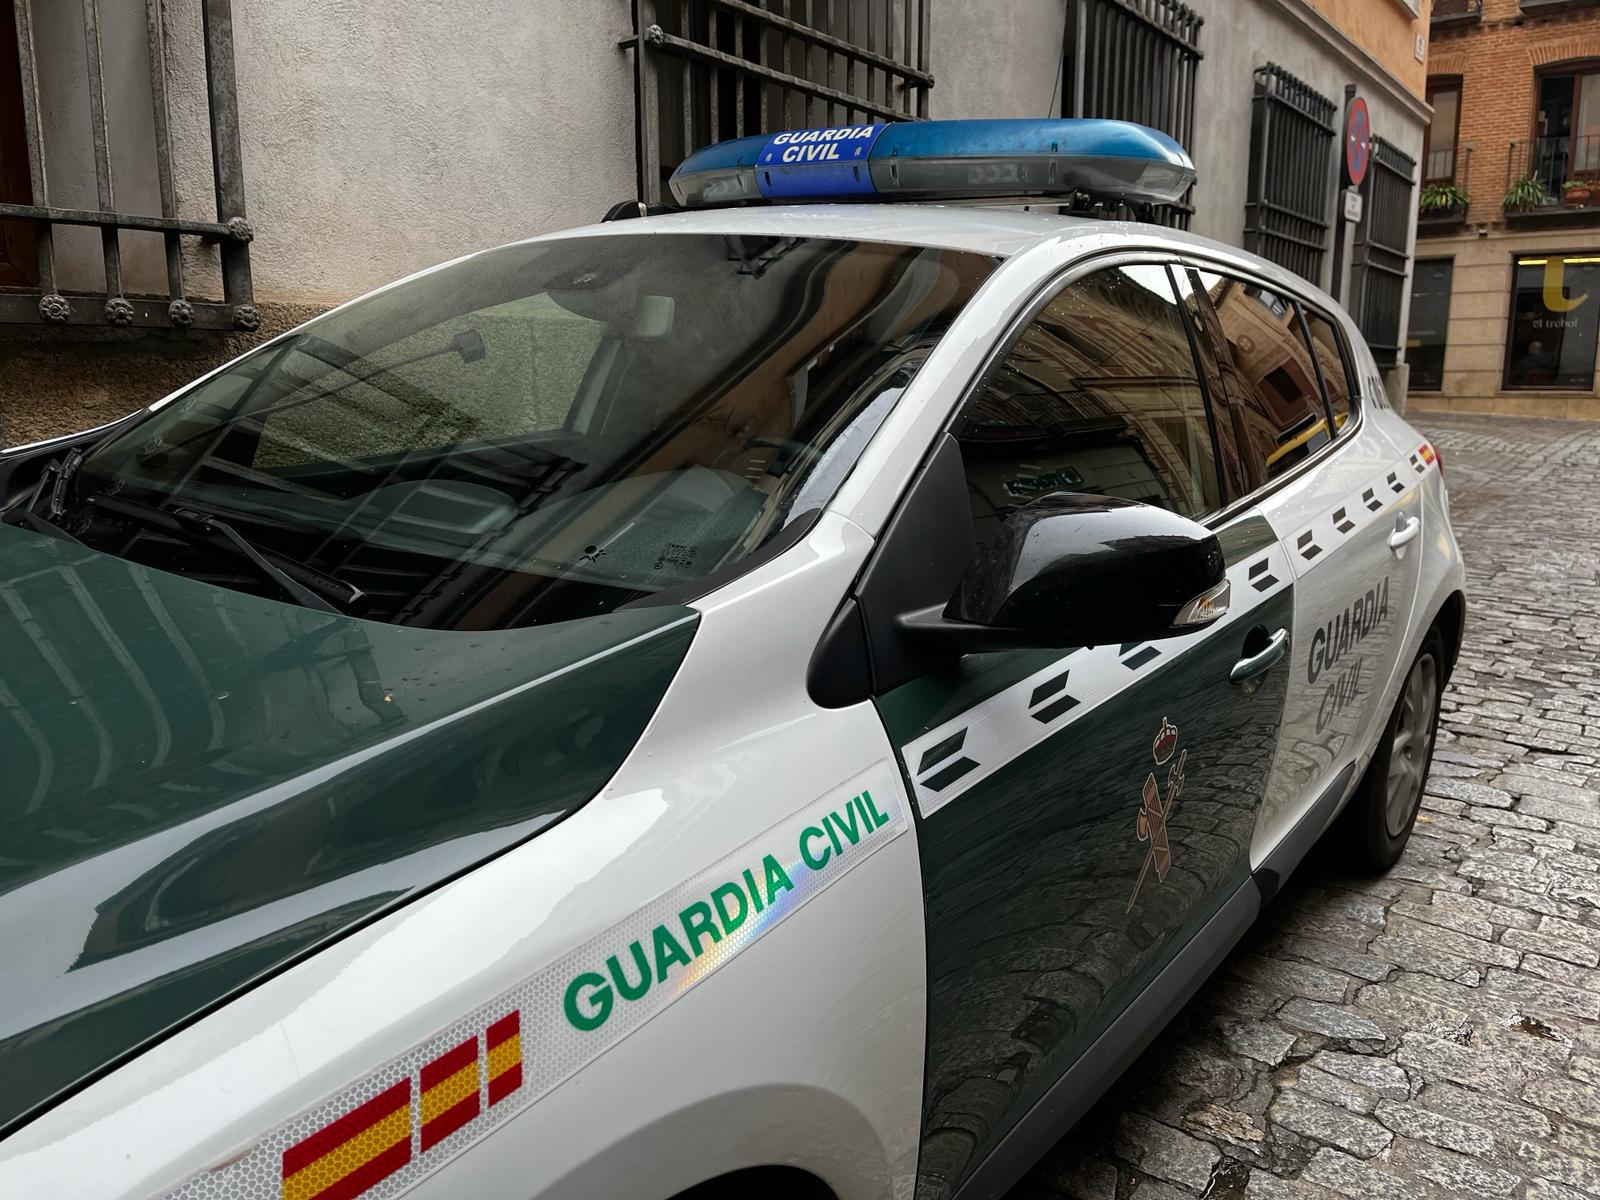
column 1380, row 816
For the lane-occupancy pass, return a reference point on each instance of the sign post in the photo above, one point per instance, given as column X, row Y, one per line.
column 1354, row 158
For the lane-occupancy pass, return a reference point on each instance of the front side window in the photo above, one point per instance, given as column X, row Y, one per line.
column 1430, row 323
column 1100, row 394
column 1555, row 306
column 545, row 431
column 1328, row 347
column 1274, row 402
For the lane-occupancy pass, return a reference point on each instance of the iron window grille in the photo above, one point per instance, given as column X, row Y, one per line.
column 1290, row 193
column 1378, row 264
column 34, row 295
column 709, row 70
column 1135, row 60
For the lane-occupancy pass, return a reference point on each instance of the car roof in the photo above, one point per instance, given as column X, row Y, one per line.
column 1002, row 232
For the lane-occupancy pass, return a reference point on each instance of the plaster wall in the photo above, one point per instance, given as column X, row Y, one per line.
column 378, row 136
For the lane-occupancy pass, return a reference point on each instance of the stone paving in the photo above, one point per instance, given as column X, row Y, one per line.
column 1436, row 1031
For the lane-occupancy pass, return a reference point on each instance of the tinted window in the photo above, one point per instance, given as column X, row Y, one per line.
column 1326, row 344
column 541, row 432
column 1099, row 394
column 1274, row 403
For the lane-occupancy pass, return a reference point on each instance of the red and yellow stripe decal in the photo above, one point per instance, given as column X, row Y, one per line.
column 449, row 1092
column 343, row 1159
column 375, row 1139
column 504, row 1039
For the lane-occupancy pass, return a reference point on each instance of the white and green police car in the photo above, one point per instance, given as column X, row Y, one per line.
column 776, row 699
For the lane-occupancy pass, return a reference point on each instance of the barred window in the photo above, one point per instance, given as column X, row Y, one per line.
column 1291, row 187
column 1378, row 268
column 1135, row 60
column 90, row 228
column 710, row 70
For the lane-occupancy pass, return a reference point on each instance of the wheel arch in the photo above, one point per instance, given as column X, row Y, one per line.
column 768, row 1182
column 1451, row 622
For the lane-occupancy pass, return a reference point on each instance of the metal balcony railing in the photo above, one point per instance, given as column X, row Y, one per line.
column 1551, row 162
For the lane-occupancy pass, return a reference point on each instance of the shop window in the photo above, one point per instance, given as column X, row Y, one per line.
column 1555, row 310
column 1430, row 320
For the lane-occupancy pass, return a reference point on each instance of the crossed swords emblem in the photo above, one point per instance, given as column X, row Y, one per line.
column 1153, row 811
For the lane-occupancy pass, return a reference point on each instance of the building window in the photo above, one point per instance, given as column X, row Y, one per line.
column 1440, row 139
column 1135, row 60
column 19, row 263
column 1291, row 185
column 1568, row 126
column 1378, row 267
column 708, row 70
column 48, row 161
column 1555, row 317
column 1430, row 323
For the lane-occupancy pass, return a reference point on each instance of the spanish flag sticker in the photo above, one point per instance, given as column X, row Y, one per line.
column 504, row 1039
column 345, row 1158
column 449, row 1092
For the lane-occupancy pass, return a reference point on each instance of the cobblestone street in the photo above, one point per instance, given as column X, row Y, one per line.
column 1435, row 1031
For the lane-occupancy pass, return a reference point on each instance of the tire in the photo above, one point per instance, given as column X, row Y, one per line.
column 1379, row 818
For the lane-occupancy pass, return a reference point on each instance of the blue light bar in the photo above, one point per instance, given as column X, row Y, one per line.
column 948, row 160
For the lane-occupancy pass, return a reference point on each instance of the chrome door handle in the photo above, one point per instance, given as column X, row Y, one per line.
column 1257, row 664
column 1404, row 533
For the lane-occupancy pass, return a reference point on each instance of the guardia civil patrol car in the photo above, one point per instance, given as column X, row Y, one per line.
column 781, row 698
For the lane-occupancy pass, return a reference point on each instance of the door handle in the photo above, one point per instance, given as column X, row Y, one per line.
column 1405, row 532
column 1257, row 664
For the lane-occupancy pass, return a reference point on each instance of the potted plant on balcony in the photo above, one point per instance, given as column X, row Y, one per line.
column 1576, row 192
column 1525, row 195
column 1442, row 199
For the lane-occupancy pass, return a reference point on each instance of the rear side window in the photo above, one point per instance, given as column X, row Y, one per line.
column 1328, row 347
column 1099, row 394
column 1274, row 401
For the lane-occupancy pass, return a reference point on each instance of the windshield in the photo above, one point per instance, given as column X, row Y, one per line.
column 537, row 433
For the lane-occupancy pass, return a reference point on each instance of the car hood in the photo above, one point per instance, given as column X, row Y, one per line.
column 200, row 786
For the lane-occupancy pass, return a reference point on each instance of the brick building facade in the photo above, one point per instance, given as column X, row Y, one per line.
column 1505, row 312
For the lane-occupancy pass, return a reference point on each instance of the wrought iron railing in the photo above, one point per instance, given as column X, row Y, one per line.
column 1378, row 274
column 1551, row 162
column 1290, row 191
column 707, row 70
column 1135, row 60
column 41, row 300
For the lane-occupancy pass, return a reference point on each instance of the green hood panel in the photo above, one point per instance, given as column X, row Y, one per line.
column 197, row 785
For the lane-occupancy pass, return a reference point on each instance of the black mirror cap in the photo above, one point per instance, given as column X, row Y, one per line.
column 1080, row 570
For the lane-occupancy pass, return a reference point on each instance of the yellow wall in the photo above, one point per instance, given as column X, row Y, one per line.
column 1387, row 30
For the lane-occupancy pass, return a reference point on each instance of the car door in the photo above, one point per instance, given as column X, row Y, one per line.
column 1081, row 815
column 1344, row 504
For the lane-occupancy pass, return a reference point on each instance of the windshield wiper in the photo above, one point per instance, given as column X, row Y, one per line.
column 52, row 486
column 318, row 592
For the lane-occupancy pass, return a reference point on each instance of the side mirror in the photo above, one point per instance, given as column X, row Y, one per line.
column 1078, row 570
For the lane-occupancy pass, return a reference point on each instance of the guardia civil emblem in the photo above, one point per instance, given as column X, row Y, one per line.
column 1155, row 808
